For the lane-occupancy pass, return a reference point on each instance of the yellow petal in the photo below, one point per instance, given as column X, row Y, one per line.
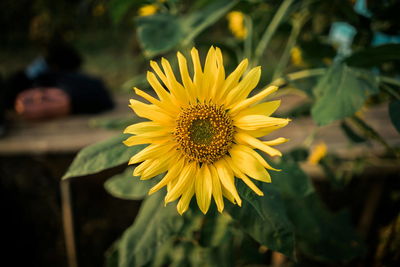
column 142, row 166
column 158, row 88
column 210, row 71
column 144, row 127
column 216, row 189
column 151, row 151
column 171, row 109
column 203, row 187
column 173, row 85
column 266, row 109
column 187, row 81
column 184, row 201
column 232, row 80
column 246, row 139
column 150, row 112
column 198, row 73
column 256, row 122
column 243, row 89
column 155, row 137
column 253, row 100
column 220, row 76
column 277, row 141
column 263, row 131
column 173, row 174
column 248, row 164
column 227, row 179
column 185, row 176
column 158, row 166
column 242, row 176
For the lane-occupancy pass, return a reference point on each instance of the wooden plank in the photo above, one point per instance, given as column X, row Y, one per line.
column 70, row 134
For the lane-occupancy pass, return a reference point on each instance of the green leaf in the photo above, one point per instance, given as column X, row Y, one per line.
column 373, row 56
column 291, row 181
column 101, row 156
column 159, row 33
column 341, row 92
column 264, row 218
column 394, row 113
column 119, row 8
column 320, row 234
column 154, row 225
column 201, row 19
column 126, row 186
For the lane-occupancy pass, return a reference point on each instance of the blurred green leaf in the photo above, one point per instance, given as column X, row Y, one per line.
column 119, row 8
column 160, row 33
column 101, row 156
column 394, row 113
column 154, row 225
column 264, row 218
column 320, row 234
column 341, row 92
column 374, row 56
column 203, row 18
column 126, row 186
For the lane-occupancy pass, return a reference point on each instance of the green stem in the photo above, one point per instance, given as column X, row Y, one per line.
column 248, row 41
column 269, row 32
column 299, row 75
column 390, row 80
column 391, row 91
column 297, row 24
column 371, row 133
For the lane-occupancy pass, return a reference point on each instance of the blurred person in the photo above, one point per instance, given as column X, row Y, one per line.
column 52, row 86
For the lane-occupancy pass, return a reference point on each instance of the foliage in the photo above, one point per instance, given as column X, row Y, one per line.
column 290, row 218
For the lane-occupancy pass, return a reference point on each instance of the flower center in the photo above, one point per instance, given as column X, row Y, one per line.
column 204, row 132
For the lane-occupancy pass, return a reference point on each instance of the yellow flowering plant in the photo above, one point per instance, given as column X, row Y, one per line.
column 199, row 148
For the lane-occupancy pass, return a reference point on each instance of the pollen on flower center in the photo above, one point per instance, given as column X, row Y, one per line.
column 204, row 132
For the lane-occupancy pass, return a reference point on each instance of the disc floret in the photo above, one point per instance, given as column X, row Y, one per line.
column 204, row 132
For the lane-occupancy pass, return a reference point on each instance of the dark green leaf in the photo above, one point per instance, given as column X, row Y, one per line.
column 154, row 225
column 373, row 56
column 126, row 186
column 203, row 18
column 341, row 92
column 159, row 33
column 291, row 181
column 101, row 156
column 394, row 113
column 264, row 218
column 119, row 8
column 320, row 234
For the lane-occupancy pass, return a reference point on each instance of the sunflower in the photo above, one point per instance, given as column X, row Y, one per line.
column 202, row 131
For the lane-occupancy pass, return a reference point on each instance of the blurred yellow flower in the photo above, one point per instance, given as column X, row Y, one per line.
column 99, row 10
column 203, row 132
column 147, row 10
column 297, row 57
column 236, row 24
column 317, row 153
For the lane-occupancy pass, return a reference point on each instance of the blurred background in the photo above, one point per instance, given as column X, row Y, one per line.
column 345, row 138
